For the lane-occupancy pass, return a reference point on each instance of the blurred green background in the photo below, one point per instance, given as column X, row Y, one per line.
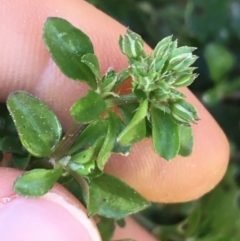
column 213, row 26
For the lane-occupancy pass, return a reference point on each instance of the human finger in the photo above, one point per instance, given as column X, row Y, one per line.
column 25, row 64
column 57, row 215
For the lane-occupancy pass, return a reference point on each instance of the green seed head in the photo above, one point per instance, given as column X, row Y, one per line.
column 184, row 110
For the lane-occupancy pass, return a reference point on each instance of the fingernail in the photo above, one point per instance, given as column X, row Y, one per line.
column 50, row 217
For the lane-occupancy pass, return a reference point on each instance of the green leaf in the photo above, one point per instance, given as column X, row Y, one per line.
column 67, row 45
column 11, row 144
column 84, row 169
column 90, row 134
column 181, row 53
column 111, row 202
column 191, row 224
column 165, row 134
column 186, row 140
column 224, row 200
column 92, row 62
column 124, row 150
column 185, row 80
column 89, row 108
column 38, row 127
column 108, row 81
column 182, row 110
column 83, row 156
column 109, row 142
column 218, row 66
column 106, row 227
column 162, row 47
column 128, row 111
column 20, row 161
column 36, row 182
column 83, row 163
column 131, row 44
column 121, row 222
column 122, row 76
column 136, row 129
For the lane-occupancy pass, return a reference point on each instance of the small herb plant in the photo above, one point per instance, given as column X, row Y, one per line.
column 154, row 109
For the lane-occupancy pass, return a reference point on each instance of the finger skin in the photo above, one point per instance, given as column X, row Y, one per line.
column 55, row 216
column 25, row 64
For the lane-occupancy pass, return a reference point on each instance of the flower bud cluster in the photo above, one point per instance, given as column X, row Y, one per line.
column 159, row 74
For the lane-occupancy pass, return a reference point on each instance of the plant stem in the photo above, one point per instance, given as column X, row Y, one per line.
column 121, row 100
column 71, row 136
column 67, row 141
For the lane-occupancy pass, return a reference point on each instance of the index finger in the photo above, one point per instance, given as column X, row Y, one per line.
column 25, row 64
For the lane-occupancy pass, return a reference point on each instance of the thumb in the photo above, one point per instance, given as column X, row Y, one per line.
column 55, row 216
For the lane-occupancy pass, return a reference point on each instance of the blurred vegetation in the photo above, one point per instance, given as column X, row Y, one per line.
column 213, row 26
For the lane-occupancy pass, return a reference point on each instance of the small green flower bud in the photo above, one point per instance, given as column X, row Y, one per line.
column 176, row 95
column 182, row 52
column 162, row 92
column 158, row 64
column 161, row 106
column 185, row 80
column 170, row 79
column 164, row 49
column 138, row 68
column 178, row 120
column 175, row 61
column 131, row 44
column 184, row 110
column 185, row 64
column 162, row 46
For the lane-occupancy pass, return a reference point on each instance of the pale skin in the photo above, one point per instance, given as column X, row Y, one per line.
column 25, row 64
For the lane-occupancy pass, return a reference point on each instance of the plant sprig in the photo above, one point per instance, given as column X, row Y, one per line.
column 154, row 109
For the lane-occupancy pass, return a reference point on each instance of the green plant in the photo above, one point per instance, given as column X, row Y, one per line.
column 154, row 109
column 213, row 27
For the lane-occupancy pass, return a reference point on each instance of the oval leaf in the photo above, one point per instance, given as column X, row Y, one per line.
column 37, row 182
column 111, row 202
column 89, row 108
column 165, row 134
column 92, row 62
column 186, row 140
column 136, row 129
column 106, row 227
column 38, row 127
column 67, row 44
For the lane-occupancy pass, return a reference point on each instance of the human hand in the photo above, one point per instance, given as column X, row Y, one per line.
column 25, row 64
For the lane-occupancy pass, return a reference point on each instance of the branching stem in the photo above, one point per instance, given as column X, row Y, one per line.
column 121, row 100
column 67, row 141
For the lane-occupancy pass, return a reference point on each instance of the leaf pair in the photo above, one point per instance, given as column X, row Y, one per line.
column 72, row 51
